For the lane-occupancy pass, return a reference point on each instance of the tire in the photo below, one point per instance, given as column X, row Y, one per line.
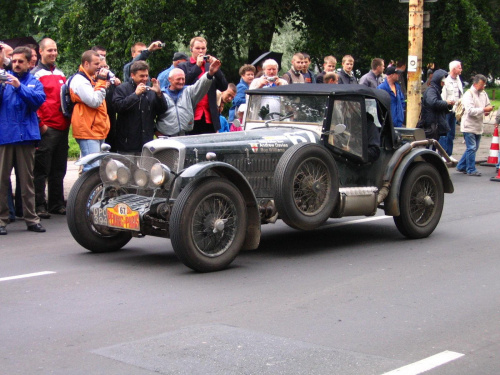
column 306, row 186
column 421, row 201
column 200, row 207
column 85, row 192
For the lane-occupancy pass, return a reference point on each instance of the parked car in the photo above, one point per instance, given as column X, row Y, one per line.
column 308, row 153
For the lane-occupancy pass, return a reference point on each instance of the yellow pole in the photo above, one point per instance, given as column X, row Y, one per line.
column 414, row 67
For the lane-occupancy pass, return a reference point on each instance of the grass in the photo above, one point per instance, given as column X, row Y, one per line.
column 495, row 102
column 74, row 149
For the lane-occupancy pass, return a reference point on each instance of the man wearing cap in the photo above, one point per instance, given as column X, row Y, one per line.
column 391, row 85
column 179, row 58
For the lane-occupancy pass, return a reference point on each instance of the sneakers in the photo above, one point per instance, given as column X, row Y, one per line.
column 36, row 228
column 462, row 171
column 3, row 231
column 42, row 213
column 475, row 173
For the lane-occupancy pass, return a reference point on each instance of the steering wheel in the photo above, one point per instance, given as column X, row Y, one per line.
column 270, row 115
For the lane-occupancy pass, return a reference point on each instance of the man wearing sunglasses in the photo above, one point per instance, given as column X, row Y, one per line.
column 21, row 94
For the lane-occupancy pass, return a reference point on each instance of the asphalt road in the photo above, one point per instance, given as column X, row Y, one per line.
column 354, row 297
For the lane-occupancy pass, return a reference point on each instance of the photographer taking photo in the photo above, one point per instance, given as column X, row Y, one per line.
column 90, row 119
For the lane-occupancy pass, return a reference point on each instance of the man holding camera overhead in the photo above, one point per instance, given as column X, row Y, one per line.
column 206, row 115
column 90, row 118
column 140, row 53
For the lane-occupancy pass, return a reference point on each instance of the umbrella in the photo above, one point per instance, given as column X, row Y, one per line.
column 268, row 55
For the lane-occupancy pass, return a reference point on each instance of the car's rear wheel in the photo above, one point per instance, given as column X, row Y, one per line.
column 208, row 224
column 421, row 201
column 87, row 191
column 306, row 186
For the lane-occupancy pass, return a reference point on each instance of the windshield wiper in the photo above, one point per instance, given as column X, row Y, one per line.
column 280, row 119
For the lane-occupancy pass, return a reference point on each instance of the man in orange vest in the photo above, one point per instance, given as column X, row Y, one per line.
column 90, row 119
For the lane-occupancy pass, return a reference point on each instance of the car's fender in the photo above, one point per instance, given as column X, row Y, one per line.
column 229, row 172
column 96, row 156
column 391, row 202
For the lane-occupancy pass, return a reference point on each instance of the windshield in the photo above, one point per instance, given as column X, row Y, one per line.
column 308, row 110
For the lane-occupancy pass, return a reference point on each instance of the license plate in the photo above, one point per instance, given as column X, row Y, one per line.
column 123, row 217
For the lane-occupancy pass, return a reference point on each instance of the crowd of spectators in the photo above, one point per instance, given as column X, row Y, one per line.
column 188, row 97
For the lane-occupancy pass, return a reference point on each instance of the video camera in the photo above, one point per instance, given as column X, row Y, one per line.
column 3, row 76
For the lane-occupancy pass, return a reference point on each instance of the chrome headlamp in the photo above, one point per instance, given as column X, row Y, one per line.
column 141, row 177
column 117, row 171
column 160, row 174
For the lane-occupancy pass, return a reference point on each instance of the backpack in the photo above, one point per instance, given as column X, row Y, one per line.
column 459, row 109
column 67, row 104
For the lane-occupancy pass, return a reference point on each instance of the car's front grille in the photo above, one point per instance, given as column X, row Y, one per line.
column 169, row 157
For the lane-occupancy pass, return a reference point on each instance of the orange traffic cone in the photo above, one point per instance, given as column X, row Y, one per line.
column 493, row 157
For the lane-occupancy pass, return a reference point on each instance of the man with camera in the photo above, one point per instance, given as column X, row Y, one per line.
column 90, row 118
column 52, row 152
column 21, row 94
column 206, row 115
column 138, row 106
column 140, row 53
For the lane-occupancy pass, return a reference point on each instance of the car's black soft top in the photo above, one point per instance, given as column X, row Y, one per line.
column 326, row 89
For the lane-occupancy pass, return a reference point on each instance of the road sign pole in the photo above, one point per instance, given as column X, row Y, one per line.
column 415, row 42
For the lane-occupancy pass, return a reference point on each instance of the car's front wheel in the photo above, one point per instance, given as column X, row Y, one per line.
column 208, row 224
column 87, row 191
column 421, row 201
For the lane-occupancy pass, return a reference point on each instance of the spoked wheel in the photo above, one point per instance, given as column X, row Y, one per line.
column 87, row 191
column 421, row 201
column 306, row 186
column 208, row 224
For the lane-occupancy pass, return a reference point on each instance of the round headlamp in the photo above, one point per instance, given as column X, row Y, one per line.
column 117, row 171
column 160, row 174
column 141, row 177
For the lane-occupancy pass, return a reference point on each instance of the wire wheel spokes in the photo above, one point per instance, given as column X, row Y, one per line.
column 215, row 223
column 311, row 186
column 423, row 201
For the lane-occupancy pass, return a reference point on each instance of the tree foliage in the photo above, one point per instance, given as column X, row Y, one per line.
column 240, row 30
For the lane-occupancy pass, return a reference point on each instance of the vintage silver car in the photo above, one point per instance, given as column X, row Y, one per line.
column 307, row 153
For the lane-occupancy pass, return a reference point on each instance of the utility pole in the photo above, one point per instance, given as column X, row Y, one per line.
column 415, row 42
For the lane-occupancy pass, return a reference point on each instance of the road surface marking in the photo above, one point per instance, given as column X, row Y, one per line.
column 426, row 364
column 355, row 221
column 26, row 275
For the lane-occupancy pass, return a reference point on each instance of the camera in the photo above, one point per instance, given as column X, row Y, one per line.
column 162, row 45
column 3, row 76
column 271, row 79
column 206, row 58
column 109, row 77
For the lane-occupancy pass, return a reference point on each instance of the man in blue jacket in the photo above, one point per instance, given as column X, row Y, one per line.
column 20, row 97
column 392, row 86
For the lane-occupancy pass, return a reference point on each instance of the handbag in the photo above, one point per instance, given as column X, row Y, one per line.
column 459, row 110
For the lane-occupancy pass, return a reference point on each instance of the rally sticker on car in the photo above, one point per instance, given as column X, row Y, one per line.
column 269, row 146
column 281, row 142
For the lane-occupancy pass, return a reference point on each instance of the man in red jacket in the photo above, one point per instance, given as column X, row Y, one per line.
column 52, row 153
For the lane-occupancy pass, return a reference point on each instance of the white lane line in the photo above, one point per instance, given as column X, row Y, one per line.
column 26, row 275
column 426, row 364
column 355, row 221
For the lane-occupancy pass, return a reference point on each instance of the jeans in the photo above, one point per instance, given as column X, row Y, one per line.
column 447, row 140
column 468, row 160
column 90, row 146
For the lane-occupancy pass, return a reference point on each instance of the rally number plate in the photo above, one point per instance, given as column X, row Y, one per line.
column 123, row 217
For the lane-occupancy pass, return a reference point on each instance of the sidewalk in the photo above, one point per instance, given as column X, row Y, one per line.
column 458, row 150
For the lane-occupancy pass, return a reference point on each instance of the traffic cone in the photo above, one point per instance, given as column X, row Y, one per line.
column 493, row 157
column 496, row 178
